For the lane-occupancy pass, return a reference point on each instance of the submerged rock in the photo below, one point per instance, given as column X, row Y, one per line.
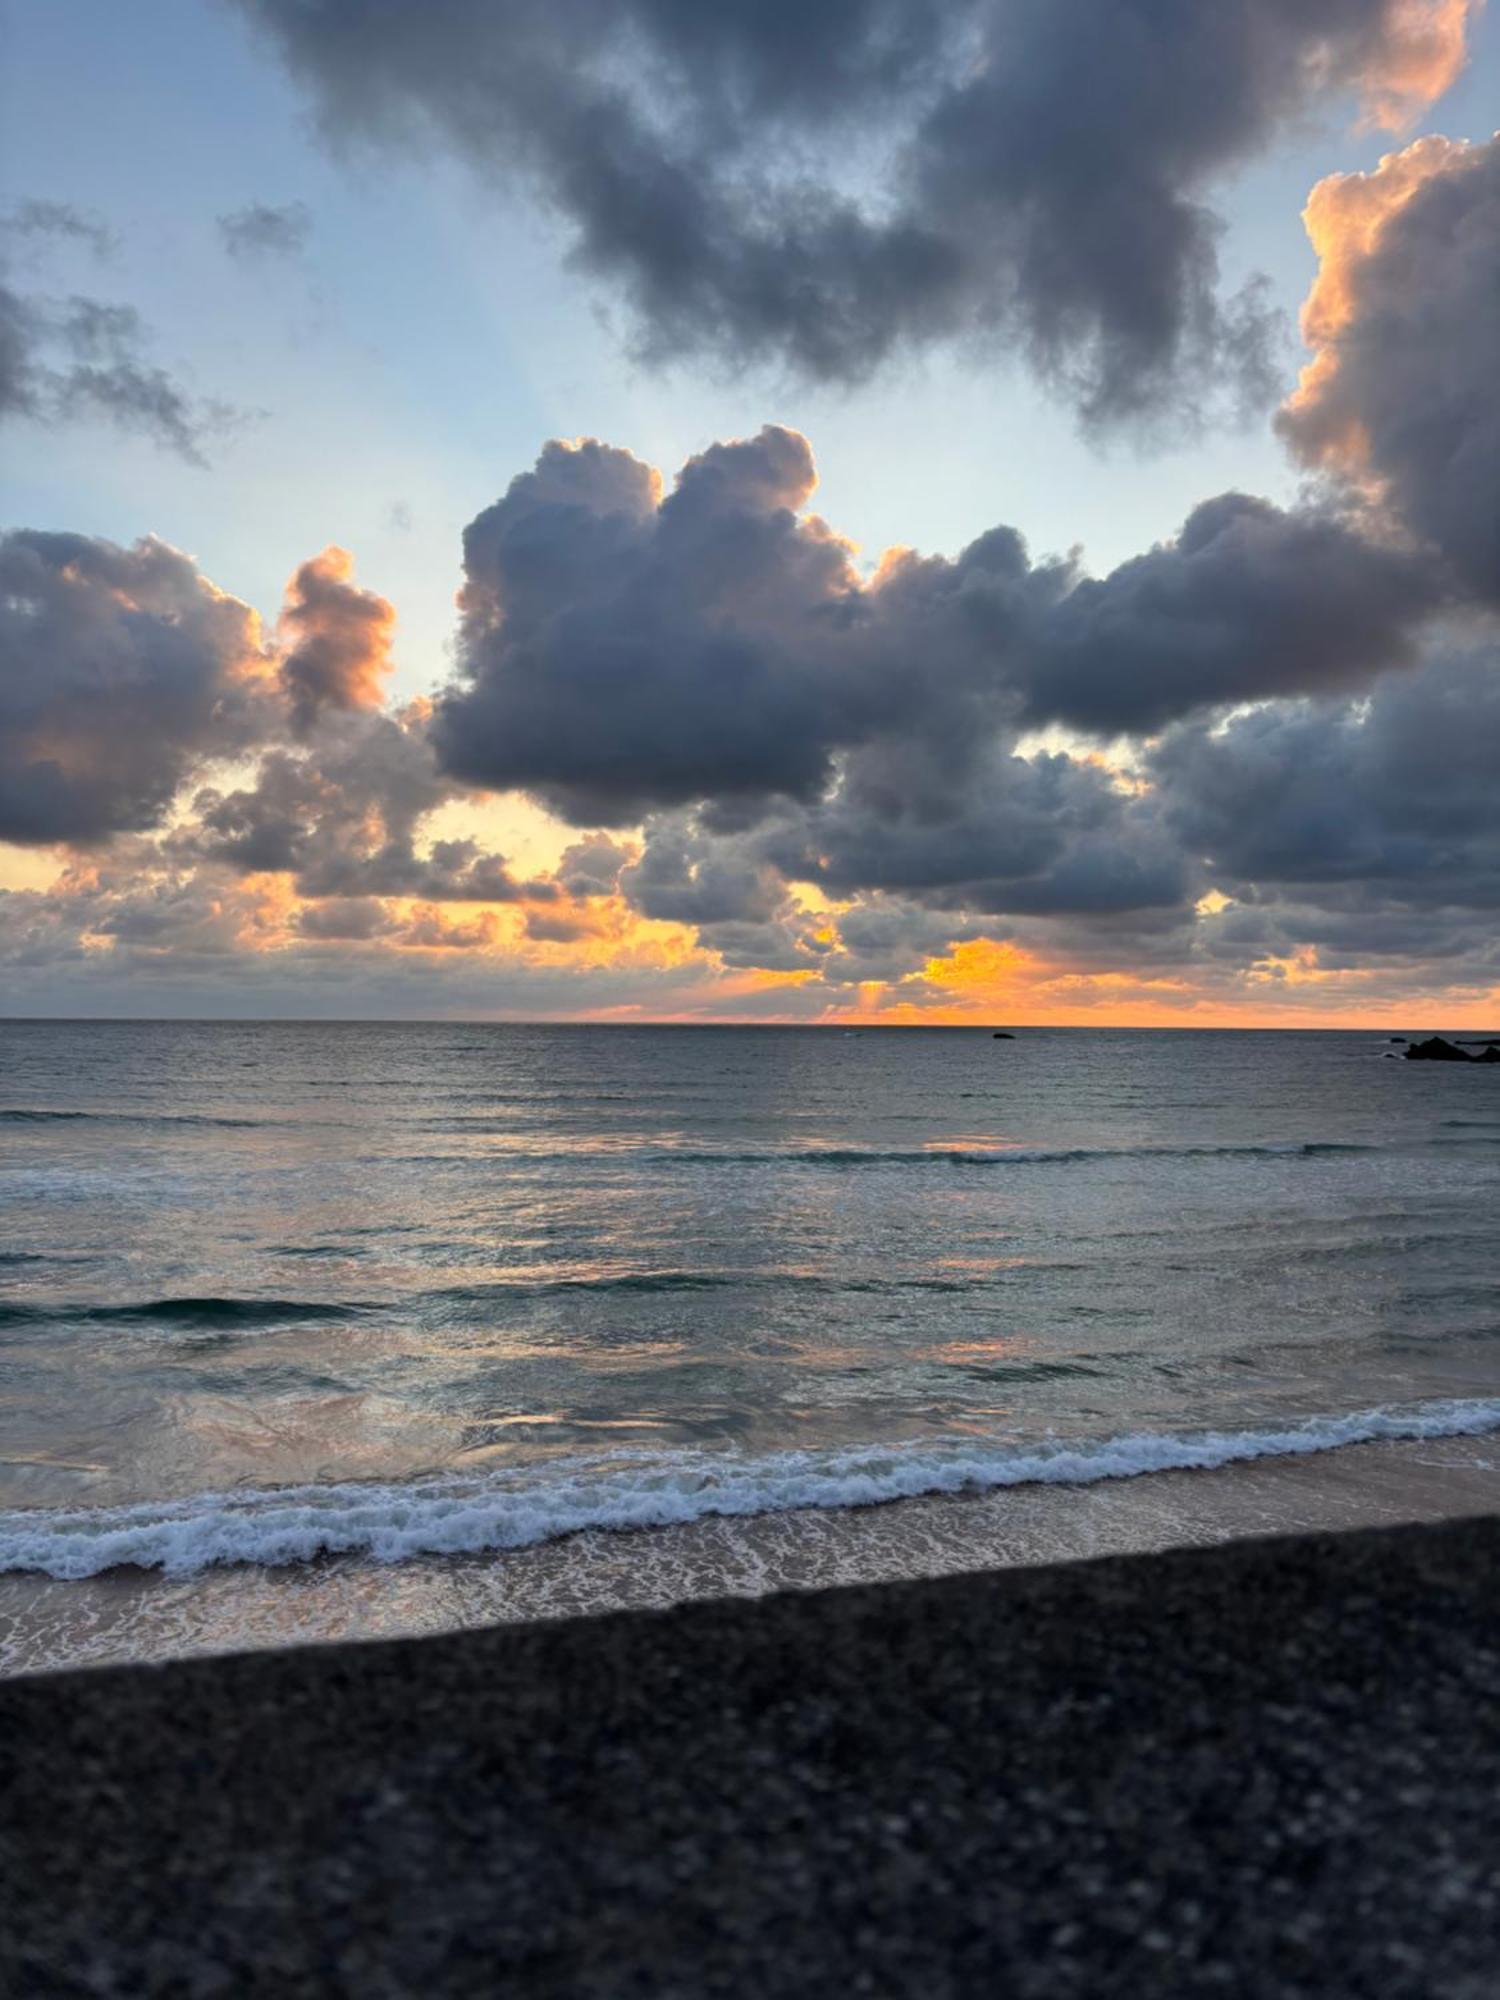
column 1436, row 1049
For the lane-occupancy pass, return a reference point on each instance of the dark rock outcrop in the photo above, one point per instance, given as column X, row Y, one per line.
column 1002, row 1035
column 1435, row 1049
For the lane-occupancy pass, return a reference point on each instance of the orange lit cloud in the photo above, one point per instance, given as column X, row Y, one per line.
column 1425, row 48
column 1346, row 216
column 336, row 638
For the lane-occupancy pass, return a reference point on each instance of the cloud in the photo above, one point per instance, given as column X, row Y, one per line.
column 623, row 651
column 35, row 219
column 67, row 360
column 343, row 814
column 258, row 230
column 1403, row 392
column 72, row 360
column 1392, row 796
column 121, row 671
column 336, row 639
column 792, row 772
column 344, row 920
column 1247, row 602
column 823, row 187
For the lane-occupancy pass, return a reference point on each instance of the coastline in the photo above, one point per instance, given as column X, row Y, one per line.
column 1270, row 1765
column 129, row 1615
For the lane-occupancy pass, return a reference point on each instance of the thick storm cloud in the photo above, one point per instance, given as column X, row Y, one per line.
column 1404, row 391
column 823, row 186
column 120, row 671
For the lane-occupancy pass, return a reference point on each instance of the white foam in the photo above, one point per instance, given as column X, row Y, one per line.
column 464, row 1514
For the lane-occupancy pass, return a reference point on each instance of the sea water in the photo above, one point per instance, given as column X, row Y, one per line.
column 276, row 1296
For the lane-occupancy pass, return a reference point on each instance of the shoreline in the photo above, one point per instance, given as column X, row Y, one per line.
column 1266, row 1766
column 126, row 1616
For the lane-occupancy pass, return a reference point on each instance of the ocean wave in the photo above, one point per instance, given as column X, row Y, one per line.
column 468, row 1514
column 650, row 1283
column 1029, row 1156
column 632, row 1155
column 15, row 1116
column 197, row 1313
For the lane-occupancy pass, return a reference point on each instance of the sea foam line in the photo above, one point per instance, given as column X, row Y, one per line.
column 466, row 1514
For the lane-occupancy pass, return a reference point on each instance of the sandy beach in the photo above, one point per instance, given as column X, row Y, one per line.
column 1266, row 1767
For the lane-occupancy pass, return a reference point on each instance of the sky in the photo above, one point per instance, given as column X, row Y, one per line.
column 913, row 511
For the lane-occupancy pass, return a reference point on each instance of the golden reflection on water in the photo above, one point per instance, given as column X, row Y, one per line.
column 980, row 1263
column 998, row 1347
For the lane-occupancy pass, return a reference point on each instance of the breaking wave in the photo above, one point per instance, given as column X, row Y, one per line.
column 470, row 1513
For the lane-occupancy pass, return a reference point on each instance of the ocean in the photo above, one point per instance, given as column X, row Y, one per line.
column 311, row 1329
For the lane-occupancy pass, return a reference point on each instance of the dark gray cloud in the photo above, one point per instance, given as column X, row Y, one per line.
column 345, row 920
column 618, row 654
column 591, row 867
column 823, row 186
column 343, row 813
column 1249, row 601
column 1381, row 803
column 1408, row 389
column 684, row 878
column 259, row 230
column 622, row 653
column 120, row 671
column 71, row 360
column 1046, row 834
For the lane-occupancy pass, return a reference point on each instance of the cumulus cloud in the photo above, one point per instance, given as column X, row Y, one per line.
column 824, row 186
column 1403, row 392
column 259, row 230
column 1248, row 601
column 343, row 815
column 121, row 670
column 1392, row 796
column 622, row 651
column 336, row 639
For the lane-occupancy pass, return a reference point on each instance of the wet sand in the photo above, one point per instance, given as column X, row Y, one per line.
column 130, row 1615
column 1267, row 1767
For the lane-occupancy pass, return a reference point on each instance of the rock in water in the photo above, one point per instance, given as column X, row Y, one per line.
column 1491, row 1054
column 1435, row 1049
column 1001, row 1035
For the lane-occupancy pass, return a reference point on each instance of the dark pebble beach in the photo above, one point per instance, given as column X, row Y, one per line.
column 1263, row 1768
